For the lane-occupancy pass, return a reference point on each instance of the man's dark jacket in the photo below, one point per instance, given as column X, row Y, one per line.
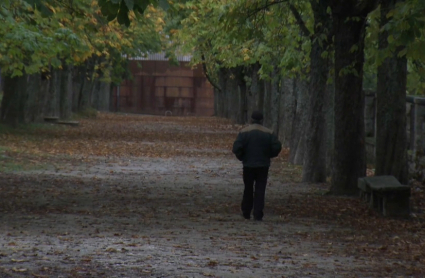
column 255, row 145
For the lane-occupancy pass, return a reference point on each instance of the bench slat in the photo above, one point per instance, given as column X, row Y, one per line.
column 385, row 183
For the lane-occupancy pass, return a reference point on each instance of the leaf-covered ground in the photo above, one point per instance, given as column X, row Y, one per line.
column 143, row 196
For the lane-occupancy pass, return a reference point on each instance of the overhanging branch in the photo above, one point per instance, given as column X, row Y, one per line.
column 300, row 21
column 259, row 9
column 204, row 67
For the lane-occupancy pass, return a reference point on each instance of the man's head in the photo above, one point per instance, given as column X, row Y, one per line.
column 257, row 117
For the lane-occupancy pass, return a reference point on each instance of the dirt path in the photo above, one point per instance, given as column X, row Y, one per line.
column 173, row 216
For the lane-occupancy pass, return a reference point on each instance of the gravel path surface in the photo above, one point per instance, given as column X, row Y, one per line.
column 176, row 217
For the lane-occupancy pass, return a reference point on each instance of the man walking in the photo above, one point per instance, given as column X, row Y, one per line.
column 254, row 146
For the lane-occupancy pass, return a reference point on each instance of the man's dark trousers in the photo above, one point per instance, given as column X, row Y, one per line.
column 251, row 199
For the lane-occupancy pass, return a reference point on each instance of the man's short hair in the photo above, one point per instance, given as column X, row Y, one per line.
column 257, row 116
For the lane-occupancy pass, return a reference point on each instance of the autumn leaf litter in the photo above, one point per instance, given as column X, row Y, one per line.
column 144, row 196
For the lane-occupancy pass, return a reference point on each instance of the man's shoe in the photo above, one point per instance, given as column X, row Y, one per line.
column 258, row 219
column 247, row 217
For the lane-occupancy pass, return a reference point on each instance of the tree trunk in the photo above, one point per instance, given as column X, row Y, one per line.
column 51, row 107
column 13, row 104
column 288, row 111
column 102, row 103
column 391, row 139
column 297, row 148
column 260, row 94
column 112, row 104
column 243, row 109
column 275, row 100
column 267, row 105
column 65, row 92
column 254, row 92
column 330, row 127
column 38, row 91
column 350, row 156
column 222, row 95
column 314, row 169
column 85, row 93
column 233, row 99
column 78, row 76
column 216, row 102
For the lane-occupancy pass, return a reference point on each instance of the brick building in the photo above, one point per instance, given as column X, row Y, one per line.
column 159, row 88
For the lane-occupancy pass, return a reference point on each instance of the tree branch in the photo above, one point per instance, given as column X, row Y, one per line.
column 204, row 67
column 259, row 9
column 300, row 21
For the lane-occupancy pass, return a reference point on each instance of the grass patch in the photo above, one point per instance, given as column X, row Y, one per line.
column 8, row 166
column 28, row 128
column 16, row 162
column 88, row 113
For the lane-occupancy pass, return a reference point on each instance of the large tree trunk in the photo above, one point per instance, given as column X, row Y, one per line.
column 78, row 76
column 222, row 94
column 243, row 109
column 391, row 140
column 24, row 99
column 350, row 157
column 288, row 111
column 297, row 148
column 38, row 90
column 233, row 98
column 85, row 93
column 314, row 169
column 254, row 92
column 330, row 127
column 52, row 103
column 65, row 92
column 13, row 106
column 275, row 100
column 101, row 96
column 261, row 94
column 267, row 105
column 216, row 102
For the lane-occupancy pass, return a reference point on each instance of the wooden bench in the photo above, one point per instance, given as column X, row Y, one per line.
column 385, row 194
column 71, row 123
column 51, row 119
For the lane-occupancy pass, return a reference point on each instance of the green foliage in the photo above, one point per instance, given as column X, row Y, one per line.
column 34, row 40
column 242, row 33
column 405, row 29
column 120, row 9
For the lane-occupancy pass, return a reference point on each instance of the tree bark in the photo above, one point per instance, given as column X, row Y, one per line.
column 314, row 169
column 275, row 100
column 330, row 127
column 297, row 148
column 233, row 101
column 78, row 76
column 52, row 103
column 391, row 138
column 13, row 104
column 102, row 103
column 65, row 92
column 85, row 93
column 267, row 105
column 254, row 92
column 24, row 99
column 222, row 95
column 349, row 18
column 243, row 109
column 288, row 111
